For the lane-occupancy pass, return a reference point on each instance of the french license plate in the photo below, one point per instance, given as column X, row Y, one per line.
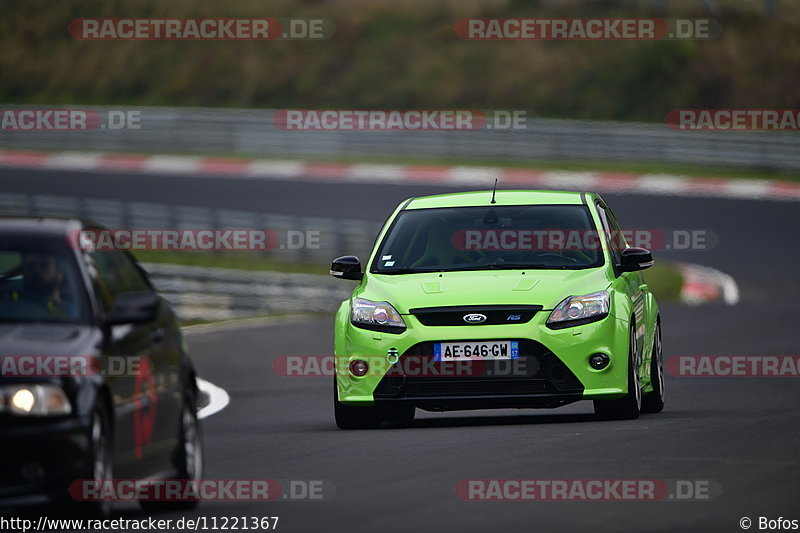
column 475, row 351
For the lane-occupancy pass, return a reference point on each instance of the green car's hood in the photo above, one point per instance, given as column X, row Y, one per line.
column 482, row 287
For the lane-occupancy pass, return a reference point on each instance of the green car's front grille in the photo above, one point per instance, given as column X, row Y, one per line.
column 536, row 371
column 492, row 314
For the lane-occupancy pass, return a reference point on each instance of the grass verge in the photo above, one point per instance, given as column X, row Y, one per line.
column 665, row 281
column 244, row 260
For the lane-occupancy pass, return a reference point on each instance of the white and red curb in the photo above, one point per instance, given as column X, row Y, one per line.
column 702, row 284
column 617, row 182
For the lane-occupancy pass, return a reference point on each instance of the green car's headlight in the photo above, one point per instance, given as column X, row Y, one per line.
column 378, row 316
column 579, row 310
column 34, row 400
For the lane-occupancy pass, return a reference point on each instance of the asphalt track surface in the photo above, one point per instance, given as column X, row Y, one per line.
column 740, row 433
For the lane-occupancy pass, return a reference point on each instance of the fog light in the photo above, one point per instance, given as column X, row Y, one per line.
column 359, row 368
column 599, row 361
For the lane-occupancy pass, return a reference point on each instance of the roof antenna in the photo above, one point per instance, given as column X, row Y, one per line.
column 494, row 190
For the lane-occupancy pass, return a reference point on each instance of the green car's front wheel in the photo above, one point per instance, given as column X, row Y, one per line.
column 354, row 417
column 629, row 406
column 654, row 401
column 368, row 417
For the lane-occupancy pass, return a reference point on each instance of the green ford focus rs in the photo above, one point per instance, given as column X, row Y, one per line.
column 506, row 299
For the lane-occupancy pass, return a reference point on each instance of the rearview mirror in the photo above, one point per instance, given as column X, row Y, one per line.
column 133, row 307
column 633, row 259
column 347, row 267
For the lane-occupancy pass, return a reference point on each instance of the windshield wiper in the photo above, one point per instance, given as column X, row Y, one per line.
column 532, row 266
column 505, row 266
column 488, row 266
column 408, row 271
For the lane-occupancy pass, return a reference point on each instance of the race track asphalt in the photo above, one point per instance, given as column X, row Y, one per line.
column 741, row 434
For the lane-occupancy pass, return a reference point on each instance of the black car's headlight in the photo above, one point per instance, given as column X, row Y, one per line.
column 28, row 399
column 378, row 316
column 579, row 310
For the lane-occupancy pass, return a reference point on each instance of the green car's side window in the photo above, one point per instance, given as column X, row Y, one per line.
column 613, row 233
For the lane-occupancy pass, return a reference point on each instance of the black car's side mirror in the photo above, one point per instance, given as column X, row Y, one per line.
column 132, row 308
column 347, row 267
column 633, row 259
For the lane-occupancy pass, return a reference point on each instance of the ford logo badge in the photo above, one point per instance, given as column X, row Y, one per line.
column 474, row 318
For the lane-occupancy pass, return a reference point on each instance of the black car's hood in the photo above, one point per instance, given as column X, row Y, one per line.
column 48, row 339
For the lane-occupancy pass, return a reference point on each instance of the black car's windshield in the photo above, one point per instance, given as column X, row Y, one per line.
column 492, row 237
column 39, row 284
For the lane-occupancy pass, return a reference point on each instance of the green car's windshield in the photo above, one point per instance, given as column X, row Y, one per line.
column 492, row 237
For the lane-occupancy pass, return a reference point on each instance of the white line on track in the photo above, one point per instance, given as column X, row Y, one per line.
column 218, row 399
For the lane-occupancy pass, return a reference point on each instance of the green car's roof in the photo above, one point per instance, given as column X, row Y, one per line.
column 481, row 198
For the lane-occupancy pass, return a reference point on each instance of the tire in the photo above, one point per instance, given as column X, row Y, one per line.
column 99, row 467
column 653, row 402
column 354, row 417
column 629, row 406
column 189, row 459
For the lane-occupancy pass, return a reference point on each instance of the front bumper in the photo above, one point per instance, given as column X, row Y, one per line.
column 556, row 365
column 40, row 458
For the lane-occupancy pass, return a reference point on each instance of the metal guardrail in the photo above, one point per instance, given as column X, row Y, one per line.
column 221, row 293
column 252, row 132
column 336, row 237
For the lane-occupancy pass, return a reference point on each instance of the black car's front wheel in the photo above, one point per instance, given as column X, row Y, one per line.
column 629, row 406
column 99, row 468
column 188, row 458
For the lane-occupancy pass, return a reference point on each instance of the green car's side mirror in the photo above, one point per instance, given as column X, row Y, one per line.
column 347, row 267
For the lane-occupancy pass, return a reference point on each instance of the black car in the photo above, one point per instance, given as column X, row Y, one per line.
column 132, row 415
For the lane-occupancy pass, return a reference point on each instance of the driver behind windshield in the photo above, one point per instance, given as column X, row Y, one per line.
column 43, row 285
